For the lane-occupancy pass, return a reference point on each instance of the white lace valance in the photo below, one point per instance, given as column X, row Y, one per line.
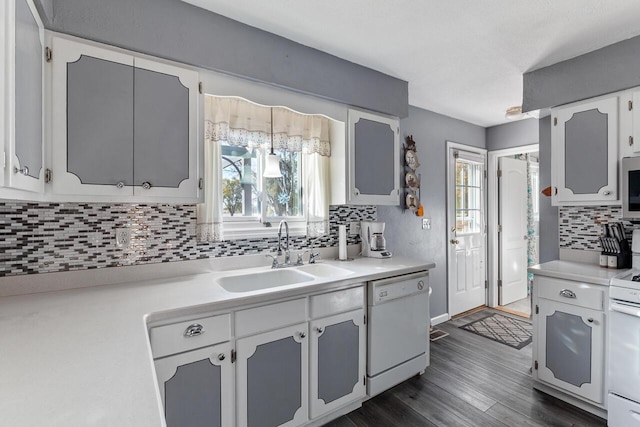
column 243, row 123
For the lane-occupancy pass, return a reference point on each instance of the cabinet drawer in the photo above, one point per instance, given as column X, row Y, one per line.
column 570, row 292
column 268, row 317
column 183, row 336
column 337, row 302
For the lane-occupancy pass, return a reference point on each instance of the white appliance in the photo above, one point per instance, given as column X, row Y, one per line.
column 398, row 331
column 373, row 241
column 624, row 345
column 631, row 188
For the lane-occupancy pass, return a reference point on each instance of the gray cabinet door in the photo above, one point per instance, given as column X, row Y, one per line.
column 337, row 361
column 161, row 129
column 571, row 348
column 27, row 138
column 374, row 164
column 272, row 378
column 100, row 121
column 196, row 387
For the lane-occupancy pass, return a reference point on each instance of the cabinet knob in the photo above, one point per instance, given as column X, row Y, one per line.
column 194, row 330
column 23, row 170
column 567, row 293
column 221, row 357
column 302, row 334
column 606, row 193
column 120, row 185
column 146, row 185
column 320, row 329
column 420, row 285
column 454, row 241
column 590, row 320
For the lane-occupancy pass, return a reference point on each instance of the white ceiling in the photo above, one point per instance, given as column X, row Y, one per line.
column 462, row 58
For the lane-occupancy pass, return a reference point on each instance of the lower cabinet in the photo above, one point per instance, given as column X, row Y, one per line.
column 569, row 338
column 337, row 361
column 197, row 387
column 272, row 372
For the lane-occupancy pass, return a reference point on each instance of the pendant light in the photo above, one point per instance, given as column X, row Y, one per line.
column 272, row 167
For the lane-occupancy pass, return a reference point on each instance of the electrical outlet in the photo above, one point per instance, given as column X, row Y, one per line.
column 426, row 223
column 354, row 228
column 123, row 236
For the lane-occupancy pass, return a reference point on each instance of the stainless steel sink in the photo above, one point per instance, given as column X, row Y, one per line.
column 264, row 280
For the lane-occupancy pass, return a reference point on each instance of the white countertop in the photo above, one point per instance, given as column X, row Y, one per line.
column 578, row 271
column 81, row 357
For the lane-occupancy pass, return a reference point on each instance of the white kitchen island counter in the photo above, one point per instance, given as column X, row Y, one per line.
column 578, row 271
column 82, row 357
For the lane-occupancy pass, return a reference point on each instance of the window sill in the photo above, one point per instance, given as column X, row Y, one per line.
column 254, row 230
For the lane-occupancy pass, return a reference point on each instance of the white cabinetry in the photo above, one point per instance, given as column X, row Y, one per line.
column 584, row 151
column 123, row 127
column 287, row 363
column 196, row 384
column 569, row 338
column 21, row 96
column 370, row 159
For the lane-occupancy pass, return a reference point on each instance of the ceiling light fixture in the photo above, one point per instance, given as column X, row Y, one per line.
column 515, row 113
column 272, row 166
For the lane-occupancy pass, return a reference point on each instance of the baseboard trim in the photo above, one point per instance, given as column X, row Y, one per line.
column 440, row 319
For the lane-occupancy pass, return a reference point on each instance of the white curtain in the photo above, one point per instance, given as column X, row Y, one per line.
column 239, row 122
column 316, row 186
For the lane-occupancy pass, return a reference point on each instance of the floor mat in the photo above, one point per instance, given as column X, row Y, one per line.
column 506, row 330
column 436, row 334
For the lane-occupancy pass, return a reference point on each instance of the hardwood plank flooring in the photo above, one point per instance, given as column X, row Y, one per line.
column 472, row 381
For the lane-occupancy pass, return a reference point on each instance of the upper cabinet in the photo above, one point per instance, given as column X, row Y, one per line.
column 584, row 151
column 21, row 92
column 370, row 161
column 123, row 127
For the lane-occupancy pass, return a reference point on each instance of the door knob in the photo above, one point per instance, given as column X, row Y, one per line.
column 454, row 241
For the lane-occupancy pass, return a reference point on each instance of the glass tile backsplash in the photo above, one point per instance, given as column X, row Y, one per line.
column 48, row 237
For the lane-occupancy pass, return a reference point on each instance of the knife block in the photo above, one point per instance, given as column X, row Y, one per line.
column 623, row 258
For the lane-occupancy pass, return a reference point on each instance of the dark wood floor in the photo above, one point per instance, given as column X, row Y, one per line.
column 472, row 381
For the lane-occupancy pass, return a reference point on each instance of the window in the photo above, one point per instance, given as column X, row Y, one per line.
column 238, row 198
column 469, row 177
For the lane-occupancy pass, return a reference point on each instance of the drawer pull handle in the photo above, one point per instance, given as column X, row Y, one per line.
column 194, row 330
column 567, row 293
column 420, row 285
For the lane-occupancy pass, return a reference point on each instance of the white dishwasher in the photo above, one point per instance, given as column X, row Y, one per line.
column 398, row 330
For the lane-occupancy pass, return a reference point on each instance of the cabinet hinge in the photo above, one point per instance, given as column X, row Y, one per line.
column 48, row 175
column 555, row 121
column 48, row 54
column 630, row 104
column 485, row 174
column 486, row 284
column 200, row 87
column 499, row 173
column 535, row 365
column 537, row 309
column 499, row 283
column 365, row 319
column 233, row 356
column 499, row 228
column 4, row 159
column 630, row 140
column 364, row 380
column 200, row 184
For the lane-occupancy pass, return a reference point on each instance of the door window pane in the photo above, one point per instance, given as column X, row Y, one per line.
column 468, row 197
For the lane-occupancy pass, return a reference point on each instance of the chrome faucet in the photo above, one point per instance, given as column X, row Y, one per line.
column 287, row 254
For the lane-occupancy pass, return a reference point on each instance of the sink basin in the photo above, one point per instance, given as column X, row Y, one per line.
column 324, row 270
column 263, row 280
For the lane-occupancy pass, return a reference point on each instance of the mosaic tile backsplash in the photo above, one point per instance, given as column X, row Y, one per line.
column 580, row 226
column 48, row 237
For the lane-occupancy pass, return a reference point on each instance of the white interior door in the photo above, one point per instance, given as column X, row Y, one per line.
column 467, row 231
column 512, row 200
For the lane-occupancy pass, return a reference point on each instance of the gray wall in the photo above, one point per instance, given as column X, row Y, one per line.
column 610, row 69
column 178, row 31
column 404, row 232
column 549, row 244
column 513, row 134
